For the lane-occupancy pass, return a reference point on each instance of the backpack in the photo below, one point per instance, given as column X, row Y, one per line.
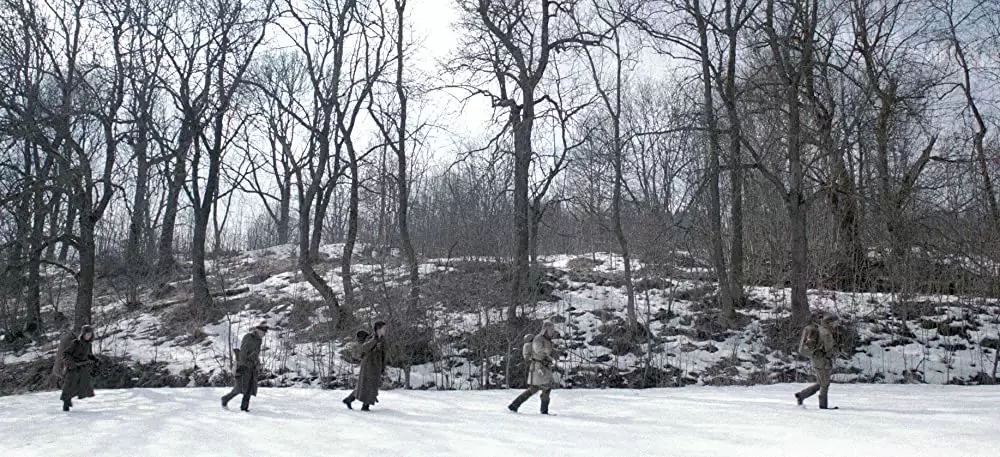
column 58, row 367
column 527, row 350
column 811, row 344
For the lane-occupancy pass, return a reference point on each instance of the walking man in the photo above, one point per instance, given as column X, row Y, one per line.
column 77, row 360
column 372, row 367
column 817, row 344
column 540, row 369
column 247, row 367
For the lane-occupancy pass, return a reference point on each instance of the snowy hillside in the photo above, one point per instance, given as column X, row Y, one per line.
column 874, row 420
column 933, row 339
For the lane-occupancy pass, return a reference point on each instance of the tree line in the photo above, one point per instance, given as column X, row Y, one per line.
column 806, row 143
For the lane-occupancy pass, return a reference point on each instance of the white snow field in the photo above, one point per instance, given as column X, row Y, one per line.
column 874, row 420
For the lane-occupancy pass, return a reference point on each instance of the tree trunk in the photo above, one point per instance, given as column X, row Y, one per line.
column 134, row 256
column 404, row 182
column 33, row 300
column 797, row 214
column 55, row 207
column 616, row 192
column 165, row 248
column 616, row 202
column 319, row 219
column 535, row 213
column 70, row 223
column 201, row 297
column 35, row 238
column 305, row 262
column 522, row 225
column 844, row 200
column 85, row 277
column 714, row 170
column 307, row 197
column 203, row 206
column 284, row 209
column 352, row 229
column 736, row 256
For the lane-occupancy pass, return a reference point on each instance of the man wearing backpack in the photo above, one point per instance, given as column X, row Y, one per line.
column 247, row 366
column 58, row 365
column 817, row 344
column 540, row 371
column 373, row 360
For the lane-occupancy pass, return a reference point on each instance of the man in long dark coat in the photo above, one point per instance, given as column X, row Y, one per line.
column 77, row 359
column 247, row 367
column 372, row 367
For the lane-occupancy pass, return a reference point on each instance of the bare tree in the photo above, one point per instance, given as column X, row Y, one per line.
column 898, row 85
column 956, row 17
column 789, row 31
column 610, row 94
column 512, row 42
column 284, row 78
column 144, row 63
column 343, row 49
column 394, row 129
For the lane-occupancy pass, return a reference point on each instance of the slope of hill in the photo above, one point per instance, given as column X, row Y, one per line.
column 460, row 341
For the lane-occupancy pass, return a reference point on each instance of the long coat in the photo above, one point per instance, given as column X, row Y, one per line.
column 372, row 367
column 78, row 360
column 248, row 364
column 540, row 373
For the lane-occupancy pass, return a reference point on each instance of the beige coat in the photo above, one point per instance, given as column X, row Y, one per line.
column 542, row 362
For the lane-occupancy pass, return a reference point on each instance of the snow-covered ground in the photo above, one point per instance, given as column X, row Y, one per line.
column 874, row 420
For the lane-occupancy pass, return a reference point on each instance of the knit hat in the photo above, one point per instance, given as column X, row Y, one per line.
column 263, row 326
column 85, row 329
column 377, row 325
column 547, row 325
column 362, row 335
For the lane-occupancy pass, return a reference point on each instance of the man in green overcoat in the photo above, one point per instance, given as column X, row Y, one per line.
column 77, row 360
column 247, row 367
column 372, row 367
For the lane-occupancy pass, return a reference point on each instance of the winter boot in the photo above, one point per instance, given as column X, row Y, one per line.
column 226, row 398
column 799, row 398
column 364, row 407
column 67, row 404
column 545, row 406
column 348, row 401
column 823, row 402
column 245, row 403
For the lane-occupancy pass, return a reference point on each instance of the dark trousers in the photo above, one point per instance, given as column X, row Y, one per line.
column 244, row 402
column 822, row 386
column 532, row 390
